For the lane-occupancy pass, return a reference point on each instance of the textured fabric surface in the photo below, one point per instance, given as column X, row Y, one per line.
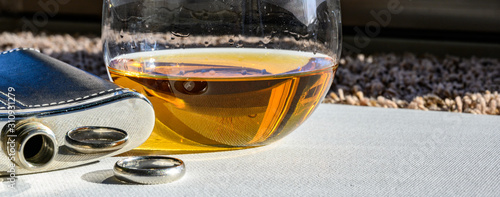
column 340, row 151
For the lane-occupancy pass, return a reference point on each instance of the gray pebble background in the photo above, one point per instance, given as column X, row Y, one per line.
column 456, row 84
column 424, row 82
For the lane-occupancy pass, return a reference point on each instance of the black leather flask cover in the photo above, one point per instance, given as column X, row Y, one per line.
column 44, row 97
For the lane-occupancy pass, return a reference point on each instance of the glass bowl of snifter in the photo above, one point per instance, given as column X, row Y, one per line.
column 223, row 74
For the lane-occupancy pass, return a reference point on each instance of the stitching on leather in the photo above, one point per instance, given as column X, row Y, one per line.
column 75, row 99
column 19, row 49
column 67, row 101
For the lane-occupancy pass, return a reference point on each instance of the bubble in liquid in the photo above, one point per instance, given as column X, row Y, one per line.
column 263, row 71
column 212, row 72
column 189, row 85
column 164, row 86
column 252, row 115
column 207, row 43
column 181, row 72
column 244, row 72
column 231, row 41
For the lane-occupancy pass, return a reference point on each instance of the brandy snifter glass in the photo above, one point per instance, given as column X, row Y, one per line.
column 223, row 74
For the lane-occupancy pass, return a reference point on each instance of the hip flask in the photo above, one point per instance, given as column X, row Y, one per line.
column 54, row 116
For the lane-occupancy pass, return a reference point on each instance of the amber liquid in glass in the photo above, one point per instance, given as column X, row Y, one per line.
column 222, row 99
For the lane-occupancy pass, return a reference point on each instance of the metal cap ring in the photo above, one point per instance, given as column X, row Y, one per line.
column 149, row 169
column 96, row 139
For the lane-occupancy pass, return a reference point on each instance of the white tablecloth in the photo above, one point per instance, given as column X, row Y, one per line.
column 339, row 151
